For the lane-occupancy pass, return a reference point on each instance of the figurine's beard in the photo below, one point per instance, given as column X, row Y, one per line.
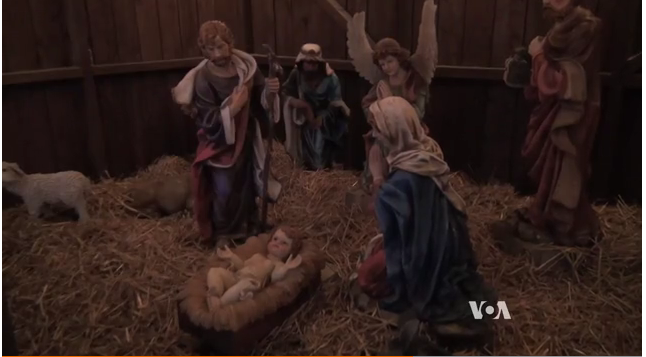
column 221, row 61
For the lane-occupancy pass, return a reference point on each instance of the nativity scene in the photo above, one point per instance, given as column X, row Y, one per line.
column 230, row 245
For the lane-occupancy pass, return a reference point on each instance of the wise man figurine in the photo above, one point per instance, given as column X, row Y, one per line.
column 229, row 99
column 315, row 114
column 564, row 84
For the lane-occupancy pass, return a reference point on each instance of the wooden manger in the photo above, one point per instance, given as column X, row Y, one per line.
column 235, row 329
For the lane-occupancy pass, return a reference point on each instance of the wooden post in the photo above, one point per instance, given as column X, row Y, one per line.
column 77, row 26
column 604, row 170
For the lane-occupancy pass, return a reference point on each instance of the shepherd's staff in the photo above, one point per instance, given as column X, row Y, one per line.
column 273, row 71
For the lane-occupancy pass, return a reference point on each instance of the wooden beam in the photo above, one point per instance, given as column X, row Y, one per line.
column 81, row 56
column 41, row 75
column 454, row 72
column 338, row 13
column 146, row 66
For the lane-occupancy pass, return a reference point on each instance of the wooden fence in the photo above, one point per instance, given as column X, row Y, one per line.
column 87, row 82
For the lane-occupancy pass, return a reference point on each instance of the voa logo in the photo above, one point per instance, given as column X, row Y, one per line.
column 478, row 307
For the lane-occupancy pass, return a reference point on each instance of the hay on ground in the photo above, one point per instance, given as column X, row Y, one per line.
column 109, row 287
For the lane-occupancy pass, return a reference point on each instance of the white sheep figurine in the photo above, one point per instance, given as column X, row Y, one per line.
column 68, row 187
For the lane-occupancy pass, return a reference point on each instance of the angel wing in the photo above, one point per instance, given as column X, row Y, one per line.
column 424, row 60
column 360, row 50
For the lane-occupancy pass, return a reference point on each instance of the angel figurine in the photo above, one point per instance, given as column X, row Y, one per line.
column 392, row 71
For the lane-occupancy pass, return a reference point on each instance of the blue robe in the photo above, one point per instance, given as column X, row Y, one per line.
column 429, row 258
column 319, row 145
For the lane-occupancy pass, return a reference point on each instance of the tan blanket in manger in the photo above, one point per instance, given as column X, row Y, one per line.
column 235, row 316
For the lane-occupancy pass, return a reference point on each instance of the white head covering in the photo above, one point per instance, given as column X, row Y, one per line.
column 399, row 129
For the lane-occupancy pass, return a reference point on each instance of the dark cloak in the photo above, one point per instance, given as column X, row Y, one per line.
column 431, row 267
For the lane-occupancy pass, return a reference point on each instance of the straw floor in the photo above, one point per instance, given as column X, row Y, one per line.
column 108, row 287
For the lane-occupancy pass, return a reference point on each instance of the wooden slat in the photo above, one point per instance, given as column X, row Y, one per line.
column 125, row 21
column 450, row 31
column 609, row 129
column 51, row 40
column 18, row 41
column 310, row 20
column 625, row 26
column 501, row 114
column 117, row 108
column 36, row 128
column 13, row 138
column 264, row 24
column 170, row 31
column 535, row 24
column 66, row 110
column 189, row 25
column 382, row 20
column 102, row 31
column 128, row 94
column 233, row 14
column 404, row 25
column 148, row 29
column 480, row 17
column 416, row 19
column 77, row 27
column 286, row 45
column 206, row 10
column 627, row 178
column 608, row 12
column 509, row 29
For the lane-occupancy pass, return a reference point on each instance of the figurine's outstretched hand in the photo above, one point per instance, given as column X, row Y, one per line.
column 225, row 253
column 292, row 263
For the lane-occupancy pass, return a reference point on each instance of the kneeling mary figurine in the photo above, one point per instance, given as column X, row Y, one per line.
column 425, row 262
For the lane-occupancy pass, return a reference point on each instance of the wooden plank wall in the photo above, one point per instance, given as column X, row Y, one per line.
column 480, row 123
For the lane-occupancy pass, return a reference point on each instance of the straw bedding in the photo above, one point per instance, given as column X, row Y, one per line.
column 110, row 287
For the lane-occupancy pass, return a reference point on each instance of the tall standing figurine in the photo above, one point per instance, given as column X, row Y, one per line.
column 564, row 83
column 229, row 98
column 315, row 114
column 392, row 71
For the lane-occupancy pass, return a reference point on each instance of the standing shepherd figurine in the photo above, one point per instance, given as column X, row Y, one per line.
column 392, row 71
column 564, row 84
column 315, row 113
column 229, row 99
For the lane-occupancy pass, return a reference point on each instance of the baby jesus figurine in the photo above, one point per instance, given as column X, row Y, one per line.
column 227, row 286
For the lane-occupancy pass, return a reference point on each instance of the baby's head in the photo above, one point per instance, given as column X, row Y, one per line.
column 283, row 241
